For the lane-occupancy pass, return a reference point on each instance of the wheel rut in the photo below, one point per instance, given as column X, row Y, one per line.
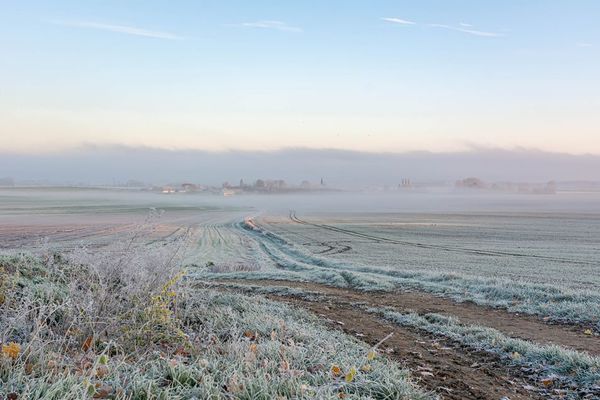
column 514, row 325
column 437, row 365
column 379, row 239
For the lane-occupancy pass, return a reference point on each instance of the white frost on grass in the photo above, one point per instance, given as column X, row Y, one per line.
column 560, row 304
column 569, row 366
column 169, row 340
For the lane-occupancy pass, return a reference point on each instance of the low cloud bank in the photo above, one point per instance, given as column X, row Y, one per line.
column 102, row 165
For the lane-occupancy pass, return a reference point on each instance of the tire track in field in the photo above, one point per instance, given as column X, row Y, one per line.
column 287, row 256
column 330, row 247
column 380, row 239
column 453, row 372
column 526, row 327
column 219, row 240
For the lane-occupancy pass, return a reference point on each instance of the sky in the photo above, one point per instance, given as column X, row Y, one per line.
column 370, row 76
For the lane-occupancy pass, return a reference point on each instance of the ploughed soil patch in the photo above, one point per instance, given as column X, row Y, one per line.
column 512, row 324
column 451, row 371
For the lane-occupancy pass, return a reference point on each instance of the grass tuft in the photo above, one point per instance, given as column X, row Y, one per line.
column 82, row 327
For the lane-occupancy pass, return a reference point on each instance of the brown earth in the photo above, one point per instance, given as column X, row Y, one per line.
column 450, row 372
column 514, row 325
column 439, row 366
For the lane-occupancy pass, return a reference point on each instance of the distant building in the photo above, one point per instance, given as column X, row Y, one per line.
column 471, row 183
column 188, row 187
column 405, row 183
column 230, row 192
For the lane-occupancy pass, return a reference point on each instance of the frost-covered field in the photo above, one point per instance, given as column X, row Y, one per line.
column 514, row 245
column 537, row 255
column 546, row 264
column 534, row 254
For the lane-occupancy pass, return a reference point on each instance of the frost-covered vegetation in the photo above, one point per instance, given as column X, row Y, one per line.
column 572, row 371
column 551, row 367
column 130, row 324
column 284, row 259
column 538, row 263
column 122, row 318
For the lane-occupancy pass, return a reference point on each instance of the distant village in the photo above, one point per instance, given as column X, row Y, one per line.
column 276, row 186
column 266, row 186
column 511, row 187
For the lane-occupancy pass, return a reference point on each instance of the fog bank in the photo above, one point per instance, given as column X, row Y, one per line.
column 103, row 165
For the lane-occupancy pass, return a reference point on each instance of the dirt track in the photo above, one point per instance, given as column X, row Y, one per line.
column 515, row 325
column 451, row 371
column 439, row 367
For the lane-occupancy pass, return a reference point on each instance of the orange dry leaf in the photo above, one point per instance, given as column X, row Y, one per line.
column 87, row 343
column 253, row 347
column 548, row 381
column 335, row 370
column 11, row 350
column 250, row 335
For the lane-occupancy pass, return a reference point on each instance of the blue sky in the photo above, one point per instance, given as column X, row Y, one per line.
column 360, row 75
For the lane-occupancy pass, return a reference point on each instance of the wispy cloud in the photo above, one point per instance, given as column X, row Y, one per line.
column 466, row 30
column 125, row 29
column 268, row 24
column 398, row 21
column 462, row 27
column 583, row 44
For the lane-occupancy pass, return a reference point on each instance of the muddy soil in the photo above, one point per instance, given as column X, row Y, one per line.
column 515, row 325
column 439, row 366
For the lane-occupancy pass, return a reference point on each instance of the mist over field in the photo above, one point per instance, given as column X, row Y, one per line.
column 102, row 165
column 300, row 200
column 47, row 204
